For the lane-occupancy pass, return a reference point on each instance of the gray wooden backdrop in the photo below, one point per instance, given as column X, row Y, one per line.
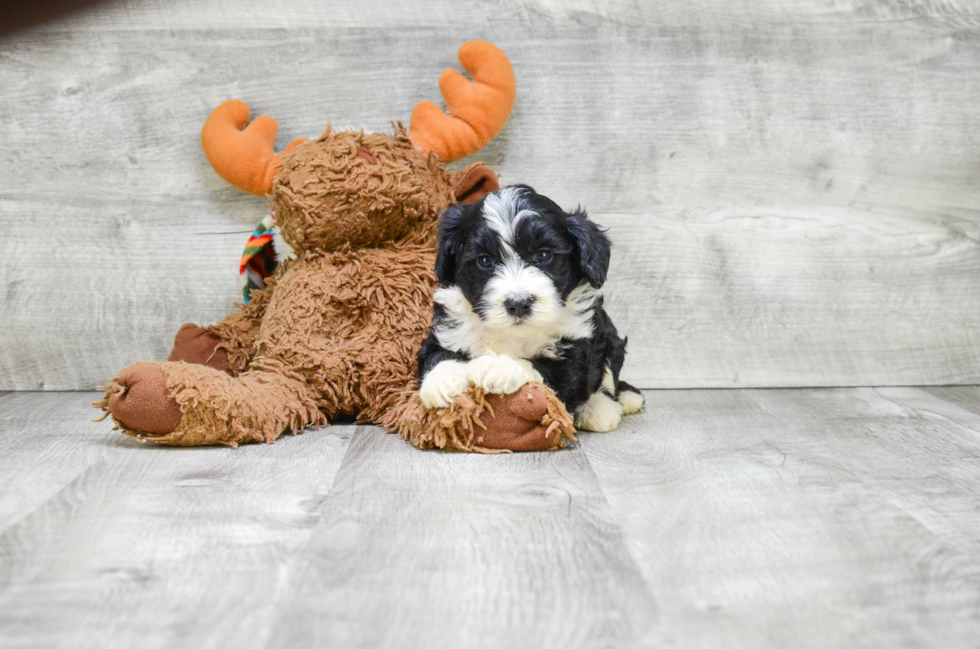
column 793, row 186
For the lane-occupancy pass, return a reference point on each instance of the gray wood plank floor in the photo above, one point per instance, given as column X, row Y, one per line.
column 717, row 518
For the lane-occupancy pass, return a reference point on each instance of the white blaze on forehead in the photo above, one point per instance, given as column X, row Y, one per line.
column 514, row 279
column 502, row 210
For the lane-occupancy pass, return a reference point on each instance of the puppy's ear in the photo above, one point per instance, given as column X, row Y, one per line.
column 593, row 247
column 449, row 225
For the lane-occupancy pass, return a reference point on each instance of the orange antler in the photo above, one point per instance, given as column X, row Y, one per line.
column 243, row 156
column 477, row 109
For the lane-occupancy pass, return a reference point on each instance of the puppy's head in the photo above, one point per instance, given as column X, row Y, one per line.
column 516, row 256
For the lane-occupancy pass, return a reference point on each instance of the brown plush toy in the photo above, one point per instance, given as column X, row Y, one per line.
column 336, row 330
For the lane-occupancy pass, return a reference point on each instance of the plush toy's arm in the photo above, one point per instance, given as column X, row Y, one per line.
column 237, row 330
column 227, row 346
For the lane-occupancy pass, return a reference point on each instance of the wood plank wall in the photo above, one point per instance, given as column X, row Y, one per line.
column 793, row 187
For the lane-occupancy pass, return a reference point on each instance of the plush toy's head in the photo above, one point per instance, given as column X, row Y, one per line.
column 362, row 189
column 348, row 187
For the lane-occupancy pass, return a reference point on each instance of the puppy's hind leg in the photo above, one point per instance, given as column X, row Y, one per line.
column 600, row 414
column 630, row 398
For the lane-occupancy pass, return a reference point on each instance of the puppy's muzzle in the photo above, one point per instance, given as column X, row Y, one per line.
column 518, row 307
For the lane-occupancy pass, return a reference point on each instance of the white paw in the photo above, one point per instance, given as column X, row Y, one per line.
column 600, row 414
column 631, row 402
column 443, row 383
column 501, row 374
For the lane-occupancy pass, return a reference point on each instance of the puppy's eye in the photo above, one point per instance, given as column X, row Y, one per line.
column 543, row 256
column 484, row 262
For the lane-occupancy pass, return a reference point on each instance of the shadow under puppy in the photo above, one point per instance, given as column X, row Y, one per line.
column 519, row 301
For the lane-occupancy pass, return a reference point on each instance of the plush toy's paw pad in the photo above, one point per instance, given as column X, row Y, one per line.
column 632, row 402
column 193, row 344
column 528, row 403
column 600, row 414
column 443, row 383
column 144, row 405
column 501, row 374
column 516, row 423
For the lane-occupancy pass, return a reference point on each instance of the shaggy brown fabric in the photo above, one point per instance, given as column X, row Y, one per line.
column 337, row 329
column 195, row 345
column 531, row 419
column 327, row 195
column 237, row 330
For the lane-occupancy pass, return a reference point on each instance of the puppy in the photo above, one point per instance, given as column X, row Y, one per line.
column 519, row 301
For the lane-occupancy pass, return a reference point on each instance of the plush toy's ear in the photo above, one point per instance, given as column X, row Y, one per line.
column 474, row 182
column 449, row 233
column 593, row 247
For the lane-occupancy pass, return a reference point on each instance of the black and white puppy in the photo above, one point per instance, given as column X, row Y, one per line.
column 519, row 301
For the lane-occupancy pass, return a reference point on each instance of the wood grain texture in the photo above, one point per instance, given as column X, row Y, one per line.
column 187, row 14
column 108, row 543
column 964, row 397
column 447, row 550
column 799, row 518
column 793, row 194
column 790, row 300
column 927, row 469
column 42, row 451
column 838, row 518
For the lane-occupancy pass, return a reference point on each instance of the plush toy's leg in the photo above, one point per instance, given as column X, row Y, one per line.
column 192, row 344
column 194, row 405
column 531, row 419
column 227, row 346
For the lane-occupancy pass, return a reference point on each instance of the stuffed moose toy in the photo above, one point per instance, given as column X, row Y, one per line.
column 336, row 329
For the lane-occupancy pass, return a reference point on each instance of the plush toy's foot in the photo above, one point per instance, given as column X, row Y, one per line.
column 519, row 422
column 195, row 345
column 139, row 401
column 184, row 404
column 530, row 419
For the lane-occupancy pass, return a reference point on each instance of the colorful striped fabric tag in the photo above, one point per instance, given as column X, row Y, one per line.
column 259, row 257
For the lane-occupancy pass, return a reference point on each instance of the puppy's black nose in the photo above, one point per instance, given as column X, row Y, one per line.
column 518, row 306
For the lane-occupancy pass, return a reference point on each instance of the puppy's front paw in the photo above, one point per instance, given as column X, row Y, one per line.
column 443, row 383
column 501, row 374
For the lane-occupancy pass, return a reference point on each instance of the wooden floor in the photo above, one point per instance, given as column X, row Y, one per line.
column 717, row 518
